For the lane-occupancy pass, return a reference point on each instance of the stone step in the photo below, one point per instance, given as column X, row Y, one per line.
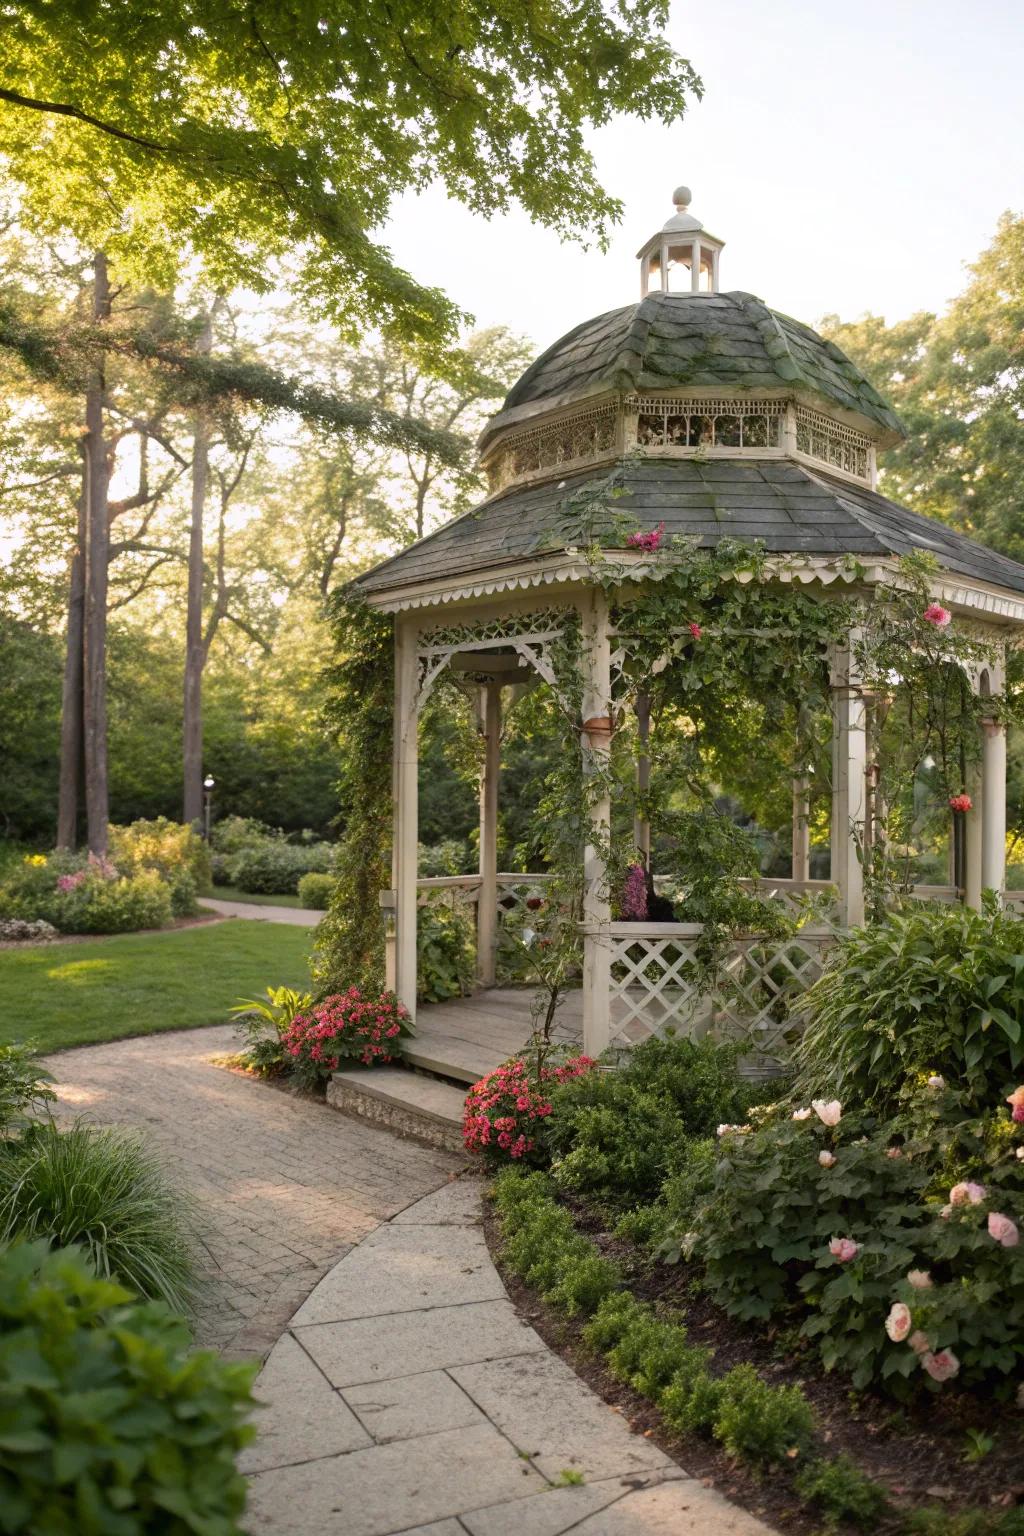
column 404, row 1101
column 450, row 1057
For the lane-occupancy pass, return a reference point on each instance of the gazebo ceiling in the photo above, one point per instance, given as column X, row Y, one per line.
column 787, row 507
column 722, row 342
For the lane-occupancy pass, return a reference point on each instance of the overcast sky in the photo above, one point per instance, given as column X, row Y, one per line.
column 852, row 157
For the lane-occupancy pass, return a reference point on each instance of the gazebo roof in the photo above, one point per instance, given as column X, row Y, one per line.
column 786, row 506
column 694, row 341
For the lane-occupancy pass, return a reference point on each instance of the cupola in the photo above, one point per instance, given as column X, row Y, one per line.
column 682, row 257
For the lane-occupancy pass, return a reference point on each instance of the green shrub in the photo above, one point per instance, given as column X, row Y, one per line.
column 649, row 1353
column 23, row 1085
column 101, row 1190
column 544, row 1248
column 759, row 1423
column 315, row 891
column 445, row 953
column 174, row 850
column 925, row 992
column 81, row 894
column 619, row 1135
column 109, row 1424
column 450, row 857
column 692, row 1402
column 842, row 1492
column 616, row 1316
column 274, row 867
column 233, row 834
column 262, row 1023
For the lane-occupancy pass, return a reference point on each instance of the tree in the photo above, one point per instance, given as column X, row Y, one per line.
column 250, row 132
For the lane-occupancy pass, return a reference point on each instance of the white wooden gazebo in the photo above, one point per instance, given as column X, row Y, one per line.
column 721, row 419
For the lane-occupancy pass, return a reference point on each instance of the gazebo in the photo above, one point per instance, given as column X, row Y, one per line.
column 721, row 419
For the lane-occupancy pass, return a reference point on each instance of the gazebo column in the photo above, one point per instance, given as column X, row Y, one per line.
column 487, row 897
column 974, row 880
column 641, row 826
column 801, row 828
column 596, row 745
column 849, row 765
column 406, row 809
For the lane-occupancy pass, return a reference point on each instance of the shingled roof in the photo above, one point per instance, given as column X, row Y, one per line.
column 728, row 341
column 785, row 506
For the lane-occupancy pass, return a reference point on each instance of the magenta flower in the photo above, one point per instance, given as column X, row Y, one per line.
column 937, row 615
column 649, row 541
column 960, row 803
column 634, row 895
column 696, row 631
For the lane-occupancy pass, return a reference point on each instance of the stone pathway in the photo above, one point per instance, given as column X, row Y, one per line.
column 299, row 917
column 284, row 1186
column 408, row 1396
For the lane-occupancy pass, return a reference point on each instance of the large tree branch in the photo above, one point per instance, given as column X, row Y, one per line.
column 66, row 109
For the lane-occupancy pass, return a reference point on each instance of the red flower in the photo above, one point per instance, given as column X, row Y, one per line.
column 649, row 541
column 960, row 803
column 937, row 615
column 696, row 631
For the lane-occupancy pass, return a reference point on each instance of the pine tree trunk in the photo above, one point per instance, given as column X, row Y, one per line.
column 71, row 698
column 97, row 554
column 195, row 650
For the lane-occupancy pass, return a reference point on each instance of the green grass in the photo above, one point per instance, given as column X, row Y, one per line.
column 139, row 983
column 232, row 893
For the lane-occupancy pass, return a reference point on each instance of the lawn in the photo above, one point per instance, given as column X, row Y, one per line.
column 138, row 983
column 232, row 893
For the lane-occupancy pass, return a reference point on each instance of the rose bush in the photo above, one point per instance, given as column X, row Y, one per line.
column 345, row 1028
column 505, row 1111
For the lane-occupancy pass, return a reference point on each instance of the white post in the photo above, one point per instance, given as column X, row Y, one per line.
column 973, row 874
column 801, row 828
column 641, row 826
column 849, row 763
column 993, row 773
column 596, row 743
column 487, row 895
column 695, row 267
column 406, row 780
column 714, row 271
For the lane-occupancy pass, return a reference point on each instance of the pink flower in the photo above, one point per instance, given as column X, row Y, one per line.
column 696, row 631
column 634, row 894
column 829, row 1113
column 942, row 1365
column 1016, row 1103
column 801, row 1114
column 920, row 1279
column 649, row 541
column 826, row 1159
column 960, row 803
column 919, row 1342
column 844, row 1249
column 937, row 615
column 967, row 1194
column 936, row 1081
column 1003, row 1229
column 894, row 1152
column 899, row 1322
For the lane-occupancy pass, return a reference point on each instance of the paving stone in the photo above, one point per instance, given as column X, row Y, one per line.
column 457, row 1204
column 412, row 1405
column 405, row 1343
column 672, row 1509
column 544, row 1408
column 551, row 1512
column 304, row 1416
column 390, row 1487
column 402, row 1269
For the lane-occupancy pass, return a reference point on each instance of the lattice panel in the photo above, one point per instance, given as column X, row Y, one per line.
column 706, row 424
column 515, row 891
column 652, row 986
column 575, row 439
column 455, row 891
column 833, row 443
column 762, row 980
column 530, row 635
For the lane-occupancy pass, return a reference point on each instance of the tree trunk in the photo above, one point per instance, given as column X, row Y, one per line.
column 97, row 553
column 71, row 763
column 195, row 649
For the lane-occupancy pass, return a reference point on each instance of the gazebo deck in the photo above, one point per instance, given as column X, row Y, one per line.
column 467, row 1037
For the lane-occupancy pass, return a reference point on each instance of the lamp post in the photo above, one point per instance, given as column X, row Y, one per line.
column 207, row 799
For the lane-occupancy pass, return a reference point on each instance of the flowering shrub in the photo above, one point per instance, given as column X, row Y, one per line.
column 649, row 541
column 633, row 902
column 962, row 803
column 506, row 1109
column 937, row 615
column 83, row 894
column 174, row 850
column 346, row 1027
column 21, row 930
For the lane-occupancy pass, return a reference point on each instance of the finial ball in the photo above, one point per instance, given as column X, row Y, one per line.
column 682, row 197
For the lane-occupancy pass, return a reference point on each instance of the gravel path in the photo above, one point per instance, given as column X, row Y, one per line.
column 299, row 917
column 284, row 1186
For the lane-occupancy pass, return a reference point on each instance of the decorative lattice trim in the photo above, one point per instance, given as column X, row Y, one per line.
column 575, row 439
column 708, row 425
column 483, row 633
column 833, row 443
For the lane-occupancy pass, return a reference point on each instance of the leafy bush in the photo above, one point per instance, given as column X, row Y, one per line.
column 619, row 1135
column 101, row 1190
column 83, row 894
column 925, row 992
column 345, row 1027
column 274, row 867
column 842, row 1492
column 315, row 891
column 233, row 834
column 23, row 1084
column 174, row 850
column 20, row 930
column 450, row 857
column 759, row 1423
column 109, row 1424
column 263, row 1022
column 507, row 1110
column 445, row 953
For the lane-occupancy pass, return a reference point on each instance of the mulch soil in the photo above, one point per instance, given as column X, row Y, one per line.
column 92, row 938
column 918, row 1453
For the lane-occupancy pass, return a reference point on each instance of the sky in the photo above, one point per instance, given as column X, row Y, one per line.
column 853, row 158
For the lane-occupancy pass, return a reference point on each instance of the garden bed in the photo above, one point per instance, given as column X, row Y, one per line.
column 202, row 919
column 922, row 1455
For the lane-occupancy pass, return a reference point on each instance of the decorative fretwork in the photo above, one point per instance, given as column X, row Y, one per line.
column 576, row 439
column 528, row 635
column 833, row 443
column 708, row 425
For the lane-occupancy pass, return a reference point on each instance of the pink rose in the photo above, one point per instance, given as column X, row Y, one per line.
column 899, row 1322
column 1016, row 1103
column 936, row 1081
column 942, row 1365
column 919, row 1342
column 967, row 1194
column 826, row 1159
column 844, row 1249
column 1003, row 1229
column 920, row 1279
column 828, row 1113
column 937, row 615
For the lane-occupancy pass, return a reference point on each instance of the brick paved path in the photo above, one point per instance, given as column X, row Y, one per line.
column 284, row 1186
